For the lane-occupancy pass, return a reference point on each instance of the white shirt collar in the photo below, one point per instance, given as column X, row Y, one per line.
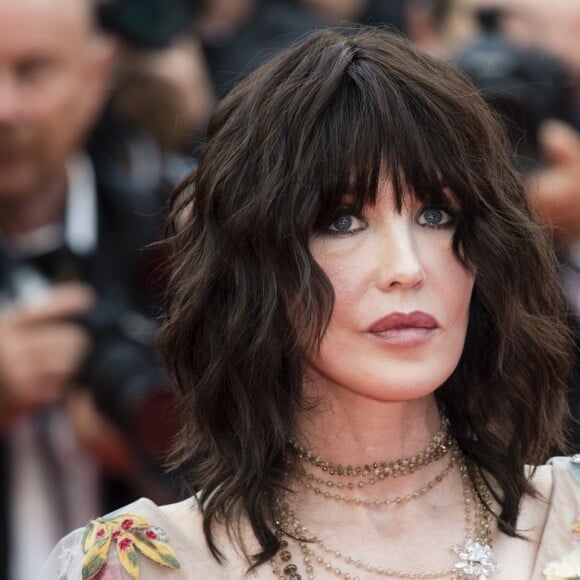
column 80, row 228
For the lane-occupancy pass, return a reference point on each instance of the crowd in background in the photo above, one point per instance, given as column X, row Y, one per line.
column 101, row 113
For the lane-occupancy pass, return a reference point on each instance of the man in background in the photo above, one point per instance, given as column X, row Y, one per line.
column 75, row 295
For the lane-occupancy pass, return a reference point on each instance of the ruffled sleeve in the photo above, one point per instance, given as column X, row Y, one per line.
column 559, row 553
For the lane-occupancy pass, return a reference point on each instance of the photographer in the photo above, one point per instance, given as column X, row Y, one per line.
column 540, row 99
column 81, row 395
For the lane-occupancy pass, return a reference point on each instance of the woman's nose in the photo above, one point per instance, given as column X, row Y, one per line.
column 399, row 264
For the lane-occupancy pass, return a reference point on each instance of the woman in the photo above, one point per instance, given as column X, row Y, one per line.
column 365, row 327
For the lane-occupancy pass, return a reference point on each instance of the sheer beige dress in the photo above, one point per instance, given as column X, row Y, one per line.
column 131, row 539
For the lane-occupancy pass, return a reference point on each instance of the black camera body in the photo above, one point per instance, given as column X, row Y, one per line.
column 121, row 369
column 147, row 24
column 524, row 86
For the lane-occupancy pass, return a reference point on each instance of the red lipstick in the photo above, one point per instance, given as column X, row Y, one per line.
column 405, row 329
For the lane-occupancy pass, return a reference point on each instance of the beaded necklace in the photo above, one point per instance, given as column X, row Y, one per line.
column 378, row 470
column 311, row 482
column 475, row 557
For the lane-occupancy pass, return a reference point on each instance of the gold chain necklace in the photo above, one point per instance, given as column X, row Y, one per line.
column 475, row 556
column 437, row 448
column 309, row 482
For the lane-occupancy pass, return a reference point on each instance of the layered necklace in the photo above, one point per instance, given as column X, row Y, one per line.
column 475, row 557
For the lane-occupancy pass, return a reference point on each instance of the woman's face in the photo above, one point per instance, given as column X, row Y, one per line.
column 401, row 300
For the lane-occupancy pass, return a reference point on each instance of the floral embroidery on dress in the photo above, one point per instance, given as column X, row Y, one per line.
column 569, row 567
column 566, row 569
column 131, row 534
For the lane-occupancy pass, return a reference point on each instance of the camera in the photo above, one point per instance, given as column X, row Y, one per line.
column 525, row 86
column 147, row 24
column 120, row 370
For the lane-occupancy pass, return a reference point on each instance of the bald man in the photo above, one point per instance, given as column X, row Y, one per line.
column 53, row 78
column 65, row 242
column 54, row 75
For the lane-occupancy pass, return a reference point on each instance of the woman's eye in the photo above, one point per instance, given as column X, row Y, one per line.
column 345, row 223
column 435, row 217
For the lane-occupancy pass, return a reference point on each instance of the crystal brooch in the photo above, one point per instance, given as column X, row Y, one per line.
column 475, row 560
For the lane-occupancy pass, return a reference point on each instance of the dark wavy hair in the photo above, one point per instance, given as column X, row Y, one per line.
column 336, row 115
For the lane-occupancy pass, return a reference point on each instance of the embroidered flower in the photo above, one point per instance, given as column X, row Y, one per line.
column 566, row 569
column 569, row 567
column 156, row 534
column 132, row 535
column 125, row 544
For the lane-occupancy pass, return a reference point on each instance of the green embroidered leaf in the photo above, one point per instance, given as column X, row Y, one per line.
column 86, row 537
column 130, row 532
column 92, row 566
column 171, row 561
column 128, row 556
column 107, row 519
column 96, row 555
column 157, row 551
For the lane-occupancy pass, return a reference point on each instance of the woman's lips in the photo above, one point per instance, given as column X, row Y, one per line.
column 405, row 329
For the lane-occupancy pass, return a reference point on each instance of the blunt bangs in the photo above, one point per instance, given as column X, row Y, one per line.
column 369, row 135
column 362, row 117
column 337, row 117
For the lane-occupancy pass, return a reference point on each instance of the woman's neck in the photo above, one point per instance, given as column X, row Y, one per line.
column 344, row 427
column 358, row 514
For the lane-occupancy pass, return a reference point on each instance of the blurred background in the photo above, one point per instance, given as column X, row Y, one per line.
column 103, row 105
